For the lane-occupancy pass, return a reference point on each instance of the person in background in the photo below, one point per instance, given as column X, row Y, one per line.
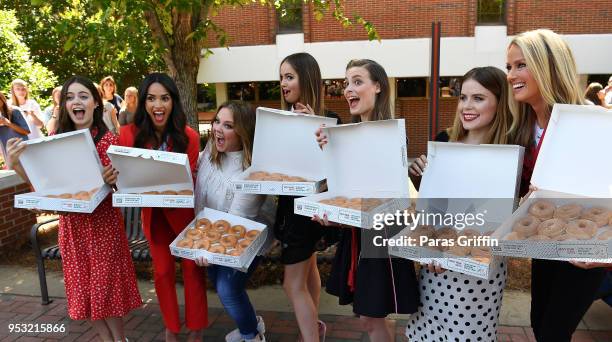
column 595, row 95
column 109, row 115
column 12, row 125
column 128, row 106
column 109, row 87
column 51, row 113
column 20, row 98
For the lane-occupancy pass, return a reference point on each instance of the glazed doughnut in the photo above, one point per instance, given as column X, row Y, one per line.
column 445, row 233
column 185, row 192
column 252, row 234
column 599, row 215
column 552, row 227
column 326, row 201
column 469, row 232
column 244, row 244
column 606, row 235
column 212, row 235
column 539, row 237
column 65, row 196
column 229, row 241
column 526, row 226
column 194, row 234
column 168, row 192
column 276, row 177
column 221, row 226
column 234, row 252
column 201, row 244
column 217, row 249
column 238, row 230
column 542, row 209
column 513, row 236
column 82, row 195
column 151, row 193
column 295, row 179
column 582, row 229
column 185, row 243
column 481, row 251
column 419, row 231
column 564, row 237
column 203, row 224
column 483, row 260
column 568, row 212
column 459, row 250
column 51, row 196
column 93, row 191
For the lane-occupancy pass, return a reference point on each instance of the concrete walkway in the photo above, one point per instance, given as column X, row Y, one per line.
column 20, row 302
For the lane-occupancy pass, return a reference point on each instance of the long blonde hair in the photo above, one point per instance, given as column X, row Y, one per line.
column 494, row 80
column 14, row 100
column 552, row 64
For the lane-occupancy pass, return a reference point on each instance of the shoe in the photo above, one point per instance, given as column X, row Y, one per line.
column 322, row 330
column 235, row 336
column 258, row 338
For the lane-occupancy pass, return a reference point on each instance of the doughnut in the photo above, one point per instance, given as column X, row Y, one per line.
column 539, row 237
column 599, row 215
column 445, row 233
column 564, row 237
column 93, row 191
column 51, row 196
column 229, row 241
column 542, row 209
column 419, row 231
column 326, row 201
column 483, row 260
column 201, row 244
column 151, row 193
column 252, row 234
column 234, row 252
column 212, row 235
column 276, row 177
column 459, row 250
column 82, row 195
column 513, row 236
column 258, row 175
column 65, row 196
column 185, row 192
column 582, row 229
column 568, row 212
column 469, row 232
column 244, row 244
column 481, row 251
column 168, row 192
column 185, row 243
column 606, row 235
column 203, row 224
column 217, row 249
column 238, row 230
column 552, row 227
column 526, row 226
column 194, row 234
column 295, row 179
column 221, row 226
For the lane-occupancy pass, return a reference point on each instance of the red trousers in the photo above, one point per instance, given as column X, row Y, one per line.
column 160, row 233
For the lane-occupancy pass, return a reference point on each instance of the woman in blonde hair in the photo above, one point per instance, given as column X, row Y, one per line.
column 542, row 72
column 20, row 98
column 128, row 106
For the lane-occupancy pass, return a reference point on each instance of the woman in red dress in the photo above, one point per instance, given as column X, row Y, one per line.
column 98, row 272
column 160, row 123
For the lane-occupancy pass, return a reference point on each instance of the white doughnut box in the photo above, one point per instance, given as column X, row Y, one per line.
column 285, row 143
column 49, row 163
column 362, row 160
column 462, row 179
column 573, row 166
column 143, row 170
column 241, row 262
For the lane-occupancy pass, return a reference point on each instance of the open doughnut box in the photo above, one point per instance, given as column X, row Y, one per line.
column 285, row 145
column 460, row 180
column 49, row 164
column 573, row 167
column 366, row 161
column 150, row 178
column 241, row 262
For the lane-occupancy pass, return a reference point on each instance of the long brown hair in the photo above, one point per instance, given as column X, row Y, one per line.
column 244, row 126
column 4, row 108
column 494, row 80
column 382, row 105
column 309, row 80
column 111, row 80
column 591, row 93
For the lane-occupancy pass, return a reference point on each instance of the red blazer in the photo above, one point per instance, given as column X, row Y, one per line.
column 177, row 217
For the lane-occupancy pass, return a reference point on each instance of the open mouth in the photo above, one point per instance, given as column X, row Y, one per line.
column 517, row 86
column 286, row 92
column 353, row 101
column 158, row 116
column 219, row 140
column 79, row 113
column 467, row 117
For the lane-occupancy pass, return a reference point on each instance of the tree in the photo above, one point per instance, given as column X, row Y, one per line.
column 16, row 61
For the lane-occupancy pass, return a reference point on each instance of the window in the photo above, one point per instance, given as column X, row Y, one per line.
column 207, row 98
column 268, row 90
column 241, row 91
column 333, row 89
column 450, row 86
column 412, row 87
column 491, row 12
column 289, row 17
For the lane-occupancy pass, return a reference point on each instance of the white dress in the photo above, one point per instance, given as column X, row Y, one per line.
column 458, row 307
column 31, row 106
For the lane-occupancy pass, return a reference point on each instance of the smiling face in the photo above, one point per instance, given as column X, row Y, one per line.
column 158, row 105
column 290, row 86
column 225, row 137
column 130, row 98
column 524, row 86
column 477, row 106
column 20, row 92
column 109, row 88
column 80, row 105
column 360, row 91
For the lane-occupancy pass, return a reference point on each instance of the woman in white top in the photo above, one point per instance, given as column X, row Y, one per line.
column 20, row 98
column 228, row 153
column 109, row 114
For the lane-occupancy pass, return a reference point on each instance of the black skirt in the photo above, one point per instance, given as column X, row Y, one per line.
column 298, row 234
column 382, row 284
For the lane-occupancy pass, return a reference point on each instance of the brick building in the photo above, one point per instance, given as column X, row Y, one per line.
column 474, row 33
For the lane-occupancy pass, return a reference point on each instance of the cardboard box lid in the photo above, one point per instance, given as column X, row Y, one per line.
column 368, row 159
column 145, row 168
column 575, row 154
column 66, row 161
column 285, row 141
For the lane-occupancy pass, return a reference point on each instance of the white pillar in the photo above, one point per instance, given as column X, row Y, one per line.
column 221, row 93
column 393, row 93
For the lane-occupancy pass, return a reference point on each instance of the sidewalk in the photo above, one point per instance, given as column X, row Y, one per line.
column 20, row 303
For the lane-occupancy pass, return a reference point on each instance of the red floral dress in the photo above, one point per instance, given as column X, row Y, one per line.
column 99, row 274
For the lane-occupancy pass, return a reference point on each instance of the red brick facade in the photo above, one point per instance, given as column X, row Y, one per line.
column 15, row 223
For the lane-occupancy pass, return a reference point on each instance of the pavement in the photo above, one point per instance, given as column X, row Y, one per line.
column 20, row 303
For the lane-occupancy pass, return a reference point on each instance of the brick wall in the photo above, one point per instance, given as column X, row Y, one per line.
column 15, row 223
column 248, row 25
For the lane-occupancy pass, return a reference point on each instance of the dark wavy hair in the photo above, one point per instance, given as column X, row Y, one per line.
column 66, row 124
column 175, row 126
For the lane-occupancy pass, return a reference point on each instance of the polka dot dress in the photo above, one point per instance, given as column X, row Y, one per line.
column 458, row 307
column 98, row 271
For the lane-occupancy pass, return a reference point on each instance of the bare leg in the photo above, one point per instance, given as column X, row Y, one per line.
column 377, row 328
column 115, row 325
column 195, row 335
column 170, row 336
column 102, row 329
column 314, row 281
column 296, row 288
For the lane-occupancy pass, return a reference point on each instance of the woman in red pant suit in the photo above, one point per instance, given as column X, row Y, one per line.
column 160, row 124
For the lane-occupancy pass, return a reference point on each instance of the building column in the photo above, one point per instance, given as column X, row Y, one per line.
column 392, row 94
column 221, row 93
